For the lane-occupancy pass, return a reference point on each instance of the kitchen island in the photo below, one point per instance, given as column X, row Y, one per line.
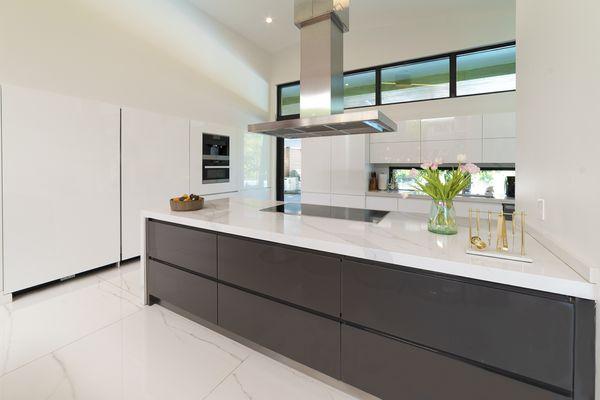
column 386, row 307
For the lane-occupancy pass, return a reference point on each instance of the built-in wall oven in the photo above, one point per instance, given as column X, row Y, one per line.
column 215, row 158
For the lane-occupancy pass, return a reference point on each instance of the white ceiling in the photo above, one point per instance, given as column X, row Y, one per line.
column 247, row 17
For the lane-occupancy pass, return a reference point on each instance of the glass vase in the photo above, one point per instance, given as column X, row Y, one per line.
column 442, row 218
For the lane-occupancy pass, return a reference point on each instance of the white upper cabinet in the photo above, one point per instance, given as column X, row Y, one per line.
column 155, row 157
column 349, row 172
column 451, row 128
column 60, row 186
column 408, row 131
column 502, row 125
column 389, row 153
column 500, row 150
column 448, row 150
column 316, row 165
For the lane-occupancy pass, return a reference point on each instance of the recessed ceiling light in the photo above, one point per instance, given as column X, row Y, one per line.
column 268, row 20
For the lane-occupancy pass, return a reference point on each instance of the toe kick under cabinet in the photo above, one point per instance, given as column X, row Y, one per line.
column 391, row 331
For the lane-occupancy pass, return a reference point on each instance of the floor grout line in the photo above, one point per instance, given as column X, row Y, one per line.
column 225, row 378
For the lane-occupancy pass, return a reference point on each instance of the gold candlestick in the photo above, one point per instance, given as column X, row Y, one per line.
column 470, row 229
column 514, row 227
column 522, row 233
column 501, row 239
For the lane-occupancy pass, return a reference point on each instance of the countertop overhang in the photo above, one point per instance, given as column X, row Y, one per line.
column 400, row 239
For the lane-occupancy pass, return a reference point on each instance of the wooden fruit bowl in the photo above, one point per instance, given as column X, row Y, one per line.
column 190, row 205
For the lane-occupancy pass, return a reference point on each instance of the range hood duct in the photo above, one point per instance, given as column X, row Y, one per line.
column 322, row 24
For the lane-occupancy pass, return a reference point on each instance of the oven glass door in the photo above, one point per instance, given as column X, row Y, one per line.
column 215, row 173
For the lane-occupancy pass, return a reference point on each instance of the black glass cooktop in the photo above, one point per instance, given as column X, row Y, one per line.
column 354, row 214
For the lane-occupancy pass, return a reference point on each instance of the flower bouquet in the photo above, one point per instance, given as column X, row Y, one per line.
column 443, row 186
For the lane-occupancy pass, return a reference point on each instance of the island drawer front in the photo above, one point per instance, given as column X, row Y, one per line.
column 309, row 339
column 182, row 246
column 186, row 291
column 525, row 334
column 304, row 278
column 391, row 369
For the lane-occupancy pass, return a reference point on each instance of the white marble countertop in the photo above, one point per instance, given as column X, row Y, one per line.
column 417, row 195
column 400, row 239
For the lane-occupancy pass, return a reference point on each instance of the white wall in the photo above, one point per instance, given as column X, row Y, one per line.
column 558, row 62
column 409, row 38
column 162, row 56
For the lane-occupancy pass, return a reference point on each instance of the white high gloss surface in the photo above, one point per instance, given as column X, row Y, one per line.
column 90, row 339
column 400, row 238
column 60, row 186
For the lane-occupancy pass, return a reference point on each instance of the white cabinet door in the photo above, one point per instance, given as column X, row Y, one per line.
column 463, row 127
column 60, row 186
column 388, row 153
column 448, row 150
column 343, row 200
column 421, row 206
column 500, row 150
column 382, row 203
column 349, row 171
column 408, row 131
column 501, row 125
column 316, row 165
column 323, row 199
column 155, row 157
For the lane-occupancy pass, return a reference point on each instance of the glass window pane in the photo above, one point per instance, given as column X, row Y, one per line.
column 418, row 81
column 257, row 161
column 486, row 71
column 486, row 183
column 290, row 100
column 292, row 170
column 359, row 89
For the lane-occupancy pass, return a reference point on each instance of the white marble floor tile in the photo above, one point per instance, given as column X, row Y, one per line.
column 153, row 354
column 43, row 321
column 261, row 378
column 127, row 277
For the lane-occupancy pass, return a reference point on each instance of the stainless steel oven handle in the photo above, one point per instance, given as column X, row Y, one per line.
column 216, row 166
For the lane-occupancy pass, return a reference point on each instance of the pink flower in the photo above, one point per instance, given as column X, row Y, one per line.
column 414, row 173
column 426, row 165
column 470, row 168
column 434, row 166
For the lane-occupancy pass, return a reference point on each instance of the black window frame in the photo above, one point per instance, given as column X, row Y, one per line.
column 377, row 69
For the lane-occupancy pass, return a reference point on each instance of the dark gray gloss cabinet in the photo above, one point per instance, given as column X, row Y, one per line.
column 525, row 334
column 307, row 279
column 395, row 332
column 189, row 248
column 299, row 335
column 189, row 292
column 394, row 370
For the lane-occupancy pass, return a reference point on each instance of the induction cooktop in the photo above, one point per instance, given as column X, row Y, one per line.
column 353, row 214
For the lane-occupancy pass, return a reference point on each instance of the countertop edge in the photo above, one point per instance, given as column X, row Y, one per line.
column 584, row 290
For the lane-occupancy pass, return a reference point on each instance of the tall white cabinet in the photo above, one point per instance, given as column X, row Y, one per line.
column 60, row 170
column 155, row 156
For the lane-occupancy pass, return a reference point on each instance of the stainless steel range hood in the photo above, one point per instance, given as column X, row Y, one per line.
column 322, row 24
